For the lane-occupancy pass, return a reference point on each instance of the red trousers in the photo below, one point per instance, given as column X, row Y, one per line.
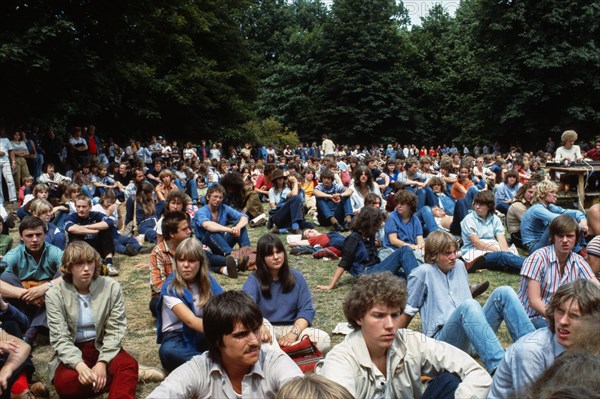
column 121, row 376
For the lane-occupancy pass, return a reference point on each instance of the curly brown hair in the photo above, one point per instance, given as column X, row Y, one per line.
column 374, row 289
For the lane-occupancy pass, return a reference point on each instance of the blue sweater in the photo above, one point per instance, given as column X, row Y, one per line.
column 283, row 308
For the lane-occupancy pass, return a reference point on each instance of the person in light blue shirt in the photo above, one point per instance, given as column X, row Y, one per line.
column 505, row 192
column 439, row 291
column 484, row 236
column 527, row 358
column 212, row 224
column 537, row 219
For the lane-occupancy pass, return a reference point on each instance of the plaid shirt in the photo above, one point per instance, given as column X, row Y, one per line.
column 161, row 265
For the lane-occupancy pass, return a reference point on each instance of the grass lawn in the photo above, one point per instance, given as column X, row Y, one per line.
column 140, row 341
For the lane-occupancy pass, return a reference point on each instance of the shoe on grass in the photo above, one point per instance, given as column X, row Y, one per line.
column 145, row 250
column 478, row 289
column 231, row 265
column 130, row 250
column 242, row 264
column 111, row 270
column 475, row 264
column 301, row 251
column 150, row 374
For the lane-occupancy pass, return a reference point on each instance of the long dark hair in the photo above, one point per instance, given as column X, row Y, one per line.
column 266, row 245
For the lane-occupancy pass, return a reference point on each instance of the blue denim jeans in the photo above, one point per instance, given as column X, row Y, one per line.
column 222, row 243
column 190, row 187
column 471, row 326
column 147, row 228
column 427, row 219
column 501, row 260
column 121, row 242
column 174, row 351
column 401, row 262
column 442, row 387
column 328, row 209
column 288, row 213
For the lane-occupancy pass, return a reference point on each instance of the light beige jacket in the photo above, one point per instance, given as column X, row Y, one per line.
column 62, row 308
column 411, row 355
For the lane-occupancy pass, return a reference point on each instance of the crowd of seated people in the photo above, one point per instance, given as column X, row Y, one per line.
column 447, row 215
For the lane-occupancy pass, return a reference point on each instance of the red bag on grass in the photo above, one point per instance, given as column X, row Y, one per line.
column 305, row 354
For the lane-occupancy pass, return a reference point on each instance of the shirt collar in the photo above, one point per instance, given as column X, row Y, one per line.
column 557, row 348
column 255, row 370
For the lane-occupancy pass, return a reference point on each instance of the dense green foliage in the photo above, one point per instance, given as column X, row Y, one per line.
column 508, row 70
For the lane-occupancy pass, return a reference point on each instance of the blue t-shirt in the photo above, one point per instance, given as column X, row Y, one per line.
column 283, row 308
column 406, row 232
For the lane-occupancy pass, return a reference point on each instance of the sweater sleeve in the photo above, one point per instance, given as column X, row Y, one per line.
column 349, row 252
column 306, row 308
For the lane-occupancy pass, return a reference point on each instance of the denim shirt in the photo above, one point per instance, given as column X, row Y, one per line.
column 436, row 294
column 538, row 217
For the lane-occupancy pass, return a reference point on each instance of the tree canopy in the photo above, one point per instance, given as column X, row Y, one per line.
column 507, row 70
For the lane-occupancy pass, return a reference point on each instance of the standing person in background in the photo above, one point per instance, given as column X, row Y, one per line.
column 78, row 148
column 568, row 153
column 327, row 146
column 20, row 153
column 7, row 161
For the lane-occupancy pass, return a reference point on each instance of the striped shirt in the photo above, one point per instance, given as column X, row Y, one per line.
column 543, row 266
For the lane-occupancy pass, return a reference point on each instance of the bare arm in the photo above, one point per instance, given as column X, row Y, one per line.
column 188, row 317
column 534, row 292
column 405, row 320
column 339, row 271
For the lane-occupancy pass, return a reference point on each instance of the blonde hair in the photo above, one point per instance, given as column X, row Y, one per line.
column 568, row 135
column 191, row 249
column 79, row 252
column 542, row 189
column 39, row 206
column 312, row 386
column 438, row 242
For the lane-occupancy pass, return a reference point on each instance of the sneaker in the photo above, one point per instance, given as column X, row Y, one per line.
column 145, row 250
column 231, row 266
column 242, row 265
column 150, row 374
column 475, row 264
column 111, row 270
column 140, row 238
column 130, row 250
column 301, row 251
column 325, row 253
column 479, row 289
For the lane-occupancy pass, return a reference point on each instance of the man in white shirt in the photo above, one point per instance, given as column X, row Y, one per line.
column 7, row 160
column 235, row 365
column 380, row 360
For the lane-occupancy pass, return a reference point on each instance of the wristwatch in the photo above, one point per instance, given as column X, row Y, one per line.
column 295, row 331
column 50, row 284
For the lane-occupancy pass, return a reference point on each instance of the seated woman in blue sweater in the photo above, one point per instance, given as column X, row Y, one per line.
column 179, row 325
column 283, row 296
